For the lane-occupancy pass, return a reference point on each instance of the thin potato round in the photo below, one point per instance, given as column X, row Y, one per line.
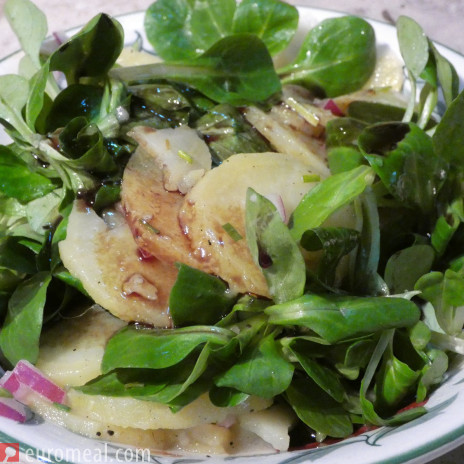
column 129, row 287
column 219, row 198
column 152, row 211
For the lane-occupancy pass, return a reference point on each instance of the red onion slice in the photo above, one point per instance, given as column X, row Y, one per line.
column 12, row 409
column 26, row 377
column 333, row 108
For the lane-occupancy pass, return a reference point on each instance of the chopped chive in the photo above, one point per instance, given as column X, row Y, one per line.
column 307, row 178
column 61, row 406
column 303, row 111
column 4, row 393
column 149, row 227
column 232, row 231
column 185, row 156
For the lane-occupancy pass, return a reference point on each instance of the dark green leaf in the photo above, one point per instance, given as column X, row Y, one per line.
column 341, row 141
column 247, row 330
column 16, row 257
column 343, row 132
column 91, row 52
column 161, row 386
column 448, row 139
column 18, row 181
column 273, row 21
column 325, row 377
column 74, row 101
column 106, row 196
column 158, row 348
column 260, row 371
column 337, row 318
column 183, row 29
column 335, row 242
column 317, row 409
column 406, row 266
column 337, row 47
column 19, row 336
column 237, row 70
column 226, row 397
column 373, row 112
column 62, row 274
column 198, row 298
column 227, row 133
column 356, row 357
column 404, row 158
column 84, row 144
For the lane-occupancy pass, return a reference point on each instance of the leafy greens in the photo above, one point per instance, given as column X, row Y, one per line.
column 343, row 343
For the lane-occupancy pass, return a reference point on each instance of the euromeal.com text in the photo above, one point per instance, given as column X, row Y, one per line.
column 77, row 455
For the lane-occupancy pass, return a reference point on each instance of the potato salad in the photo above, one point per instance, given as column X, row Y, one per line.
column 235, row 236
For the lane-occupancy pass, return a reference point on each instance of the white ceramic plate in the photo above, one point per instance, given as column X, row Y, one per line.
column 439, row 431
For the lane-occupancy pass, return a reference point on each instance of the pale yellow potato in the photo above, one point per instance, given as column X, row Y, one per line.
column 220, row 198
column 181, row 155
column 388, row 72
column 205, row 439
column 131, row 412
column 71, row 354
column 131, row 57
column 271, row 424
column 289, row 133
column 71, row 350
column 211, row 439
column 107, row 262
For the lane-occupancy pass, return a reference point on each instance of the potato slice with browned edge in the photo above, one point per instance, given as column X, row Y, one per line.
column 219, row 198
column 152, row 212
column 107, row 262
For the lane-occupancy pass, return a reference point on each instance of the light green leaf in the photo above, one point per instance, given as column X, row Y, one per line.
column 29, row 24
column 273, row 249
column 327, row 197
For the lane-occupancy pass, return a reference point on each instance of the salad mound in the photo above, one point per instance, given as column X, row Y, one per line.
column 226, row 239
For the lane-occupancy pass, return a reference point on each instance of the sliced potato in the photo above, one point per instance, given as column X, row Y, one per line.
column 131, row 57
column 220, row 198
column 388, row 72
column 88, row 335
column 131, row 412
column 271, row 424
column 205, row 439
column 180, row 153
column 211, row 439
column 108, row 264
column 71, row 350
column 71, row 353
column 289, row 133
column 152, row 211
